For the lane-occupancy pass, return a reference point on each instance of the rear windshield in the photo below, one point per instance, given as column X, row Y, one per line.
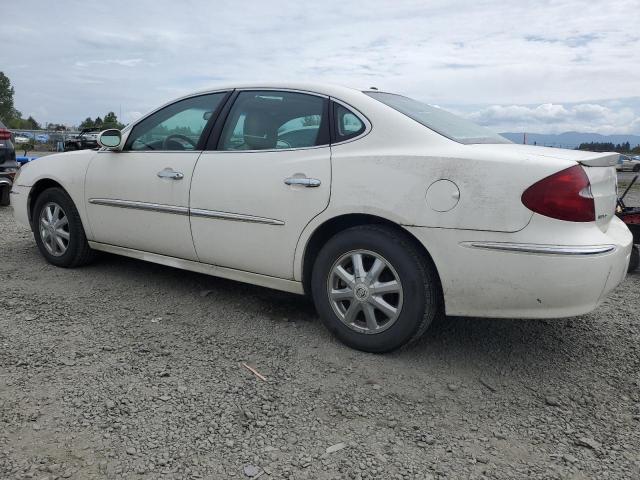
column 439, row 120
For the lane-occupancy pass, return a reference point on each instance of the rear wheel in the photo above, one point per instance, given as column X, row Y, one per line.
column 373, row 289
column 58, row 230
column 636, row 168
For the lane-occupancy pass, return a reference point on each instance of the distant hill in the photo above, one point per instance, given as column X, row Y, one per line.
column 570, row 139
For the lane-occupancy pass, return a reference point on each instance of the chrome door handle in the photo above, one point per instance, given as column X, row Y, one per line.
column 304, row 181
column 170, row 173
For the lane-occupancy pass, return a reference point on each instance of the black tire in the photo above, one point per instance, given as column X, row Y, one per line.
column 636, row 168
column 422, row 297
column 4, row 196
column 77, row 252
column 635, row 259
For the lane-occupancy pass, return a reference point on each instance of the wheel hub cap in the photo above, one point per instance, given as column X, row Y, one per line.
column 365, row 291
column 54, row 229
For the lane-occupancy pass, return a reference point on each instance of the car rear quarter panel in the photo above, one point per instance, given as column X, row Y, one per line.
column 372, row 175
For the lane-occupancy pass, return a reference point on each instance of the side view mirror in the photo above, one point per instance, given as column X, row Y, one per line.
column 110, row 138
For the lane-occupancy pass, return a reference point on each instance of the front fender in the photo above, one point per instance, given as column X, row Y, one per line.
column 67, row 170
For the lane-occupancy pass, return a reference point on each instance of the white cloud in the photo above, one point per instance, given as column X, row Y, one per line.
column 450, row 52
column 126, row 62
column 557, row 118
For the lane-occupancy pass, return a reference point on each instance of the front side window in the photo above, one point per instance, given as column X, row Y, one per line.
column 176, row 127
column 439, row 120
column 271, row 120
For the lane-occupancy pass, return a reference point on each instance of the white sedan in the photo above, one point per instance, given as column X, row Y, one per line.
column 387, row 211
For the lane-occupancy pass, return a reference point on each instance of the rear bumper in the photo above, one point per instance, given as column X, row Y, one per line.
column 485, row 274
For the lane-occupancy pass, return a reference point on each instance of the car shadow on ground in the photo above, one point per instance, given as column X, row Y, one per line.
column 474, row 341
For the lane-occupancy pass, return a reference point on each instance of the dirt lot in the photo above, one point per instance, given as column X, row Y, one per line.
column 125, row 369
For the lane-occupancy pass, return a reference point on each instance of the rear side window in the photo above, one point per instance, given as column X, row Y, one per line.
column 346, row 124
column 273, row 120
column 439, row 120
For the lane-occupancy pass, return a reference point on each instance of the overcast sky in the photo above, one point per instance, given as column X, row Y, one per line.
column 514, row 65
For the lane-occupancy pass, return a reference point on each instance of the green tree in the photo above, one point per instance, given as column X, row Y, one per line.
column 97, row 123
column 33, row 124
column 86, row 123
column 7, row 111
column 111, row 121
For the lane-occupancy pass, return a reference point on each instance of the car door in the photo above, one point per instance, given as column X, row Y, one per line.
column 268, row 176
column 138, row 197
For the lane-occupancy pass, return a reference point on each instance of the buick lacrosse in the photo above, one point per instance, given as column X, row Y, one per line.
column 387, row 211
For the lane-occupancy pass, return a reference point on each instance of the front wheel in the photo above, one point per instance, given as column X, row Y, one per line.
column 374, row 289
column 58, row 230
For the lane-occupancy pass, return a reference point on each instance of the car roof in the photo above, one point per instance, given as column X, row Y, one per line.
column 313, row 87
column 339, row 92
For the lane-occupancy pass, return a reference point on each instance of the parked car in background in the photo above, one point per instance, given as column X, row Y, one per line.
column 20, row 138
column 388, row 212
column 628, row 164
column 8, row 164
column 88, row 138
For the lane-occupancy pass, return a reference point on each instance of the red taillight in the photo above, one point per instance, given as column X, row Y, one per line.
column 5, row 134
column 565, row 195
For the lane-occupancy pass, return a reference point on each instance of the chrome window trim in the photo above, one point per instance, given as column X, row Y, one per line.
column 123, row 152
column 578, row 250
column 238, row 217
column 150, row 207
column 276, row 89
column 205, row 152
column 175, row 210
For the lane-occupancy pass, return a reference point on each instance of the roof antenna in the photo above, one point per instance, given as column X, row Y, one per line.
column 373, row 88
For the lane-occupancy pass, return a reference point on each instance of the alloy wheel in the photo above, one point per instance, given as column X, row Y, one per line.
column 54, row 229
column 365, row 291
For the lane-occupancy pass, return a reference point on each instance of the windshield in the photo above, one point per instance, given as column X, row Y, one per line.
column 439, row 120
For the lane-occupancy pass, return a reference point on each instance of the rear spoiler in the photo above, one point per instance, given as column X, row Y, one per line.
column 605, row 159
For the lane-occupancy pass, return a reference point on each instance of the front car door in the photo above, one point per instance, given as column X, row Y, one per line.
column 269, row 176
column 138, row 197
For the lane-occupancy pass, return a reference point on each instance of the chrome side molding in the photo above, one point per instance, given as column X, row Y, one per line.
column 542, row 249
column 238, row 217
column 152, row 207
column 194, row 212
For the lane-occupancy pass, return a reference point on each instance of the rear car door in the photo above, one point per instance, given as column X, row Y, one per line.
column 138, row 198
column 262, row 182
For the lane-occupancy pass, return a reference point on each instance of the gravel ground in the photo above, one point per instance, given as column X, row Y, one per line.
column 125, row 369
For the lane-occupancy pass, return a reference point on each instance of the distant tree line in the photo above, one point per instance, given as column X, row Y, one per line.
column 609, row 147
column 110, row 121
